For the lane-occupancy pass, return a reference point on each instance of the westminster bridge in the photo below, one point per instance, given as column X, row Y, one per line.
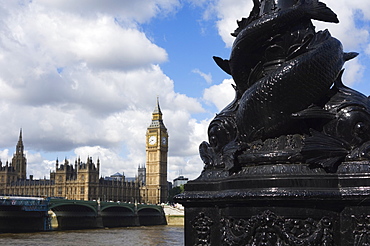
column 19, row 214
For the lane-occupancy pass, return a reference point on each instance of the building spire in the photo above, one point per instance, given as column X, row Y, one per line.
column 19, row 161
column 157, row 117
column 157, row 109
column 20, row 147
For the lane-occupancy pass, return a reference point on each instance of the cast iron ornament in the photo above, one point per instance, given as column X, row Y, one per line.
column 268, row 229
column 362, row 232
column 290, row 104
column 202, row 226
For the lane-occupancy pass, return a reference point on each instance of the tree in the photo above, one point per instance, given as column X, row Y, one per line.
column 175, row 191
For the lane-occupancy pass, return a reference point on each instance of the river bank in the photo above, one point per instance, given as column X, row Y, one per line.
column 174, row 215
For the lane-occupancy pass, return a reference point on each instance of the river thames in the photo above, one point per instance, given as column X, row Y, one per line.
column 137, row 236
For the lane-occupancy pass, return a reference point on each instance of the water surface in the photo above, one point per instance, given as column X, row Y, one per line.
column 132, row 236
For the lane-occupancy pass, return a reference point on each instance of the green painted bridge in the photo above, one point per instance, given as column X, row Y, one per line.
column 96, row 206
column 76, row 214
column 62, row 214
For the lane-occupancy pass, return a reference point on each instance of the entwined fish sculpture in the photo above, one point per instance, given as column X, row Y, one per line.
column 288, row 83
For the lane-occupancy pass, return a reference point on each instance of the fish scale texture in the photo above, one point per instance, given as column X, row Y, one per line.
column 291, row 88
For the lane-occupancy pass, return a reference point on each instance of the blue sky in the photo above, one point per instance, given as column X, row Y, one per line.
column 190, row 42
column 81, row 78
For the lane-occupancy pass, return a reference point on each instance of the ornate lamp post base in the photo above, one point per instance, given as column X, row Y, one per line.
column 262, row 205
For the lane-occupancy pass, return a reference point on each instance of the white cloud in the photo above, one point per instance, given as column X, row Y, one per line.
column 206, row 76
column 38, row 166
column 128, row 11
column 220, row 95
column 349, row 13
column 48, row 40
column 110, row 161
column 191, row 167
column 228, row 12
column 353, row 72
column 4, row 156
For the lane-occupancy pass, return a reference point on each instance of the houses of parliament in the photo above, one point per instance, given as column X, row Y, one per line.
column 80, row 180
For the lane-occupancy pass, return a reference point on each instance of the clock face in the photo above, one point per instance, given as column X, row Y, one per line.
column 152, row 140
column 164, row 140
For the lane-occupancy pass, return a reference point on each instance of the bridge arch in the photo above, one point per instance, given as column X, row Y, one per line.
column 59, row 204
column 152, row 215
column 68, row 215
column 118, row 208
column 116, row 215
column 72, row 207
column 145, row 206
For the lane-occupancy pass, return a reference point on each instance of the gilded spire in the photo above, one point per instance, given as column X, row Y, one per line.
column 157, row 109
column 157, row 121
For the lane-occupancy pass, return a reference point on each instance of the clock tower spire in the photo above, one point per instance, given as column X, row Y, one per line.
column 156, row 159
column 19, row 160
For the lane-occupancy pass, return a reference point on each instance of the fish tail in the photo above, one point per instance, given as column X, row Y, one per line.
column 223, row 64
column 318, row 11
column 349, row 55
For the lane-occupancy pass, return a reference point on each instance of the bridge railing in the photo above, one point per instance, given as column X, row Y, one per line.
column 27, row 203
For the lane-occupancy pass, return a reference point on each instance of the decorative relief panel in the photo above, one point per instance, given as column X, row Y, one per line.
column 362, row 230
column 202, row 225
column 268, row 229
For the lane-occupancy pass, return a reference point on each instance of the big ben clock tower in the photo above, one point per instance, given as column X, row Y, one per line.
column 156, row 159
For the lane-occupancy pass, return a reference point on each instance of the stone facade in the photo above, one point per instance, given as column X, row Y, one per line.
column 81, row 181
column 77, row 182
